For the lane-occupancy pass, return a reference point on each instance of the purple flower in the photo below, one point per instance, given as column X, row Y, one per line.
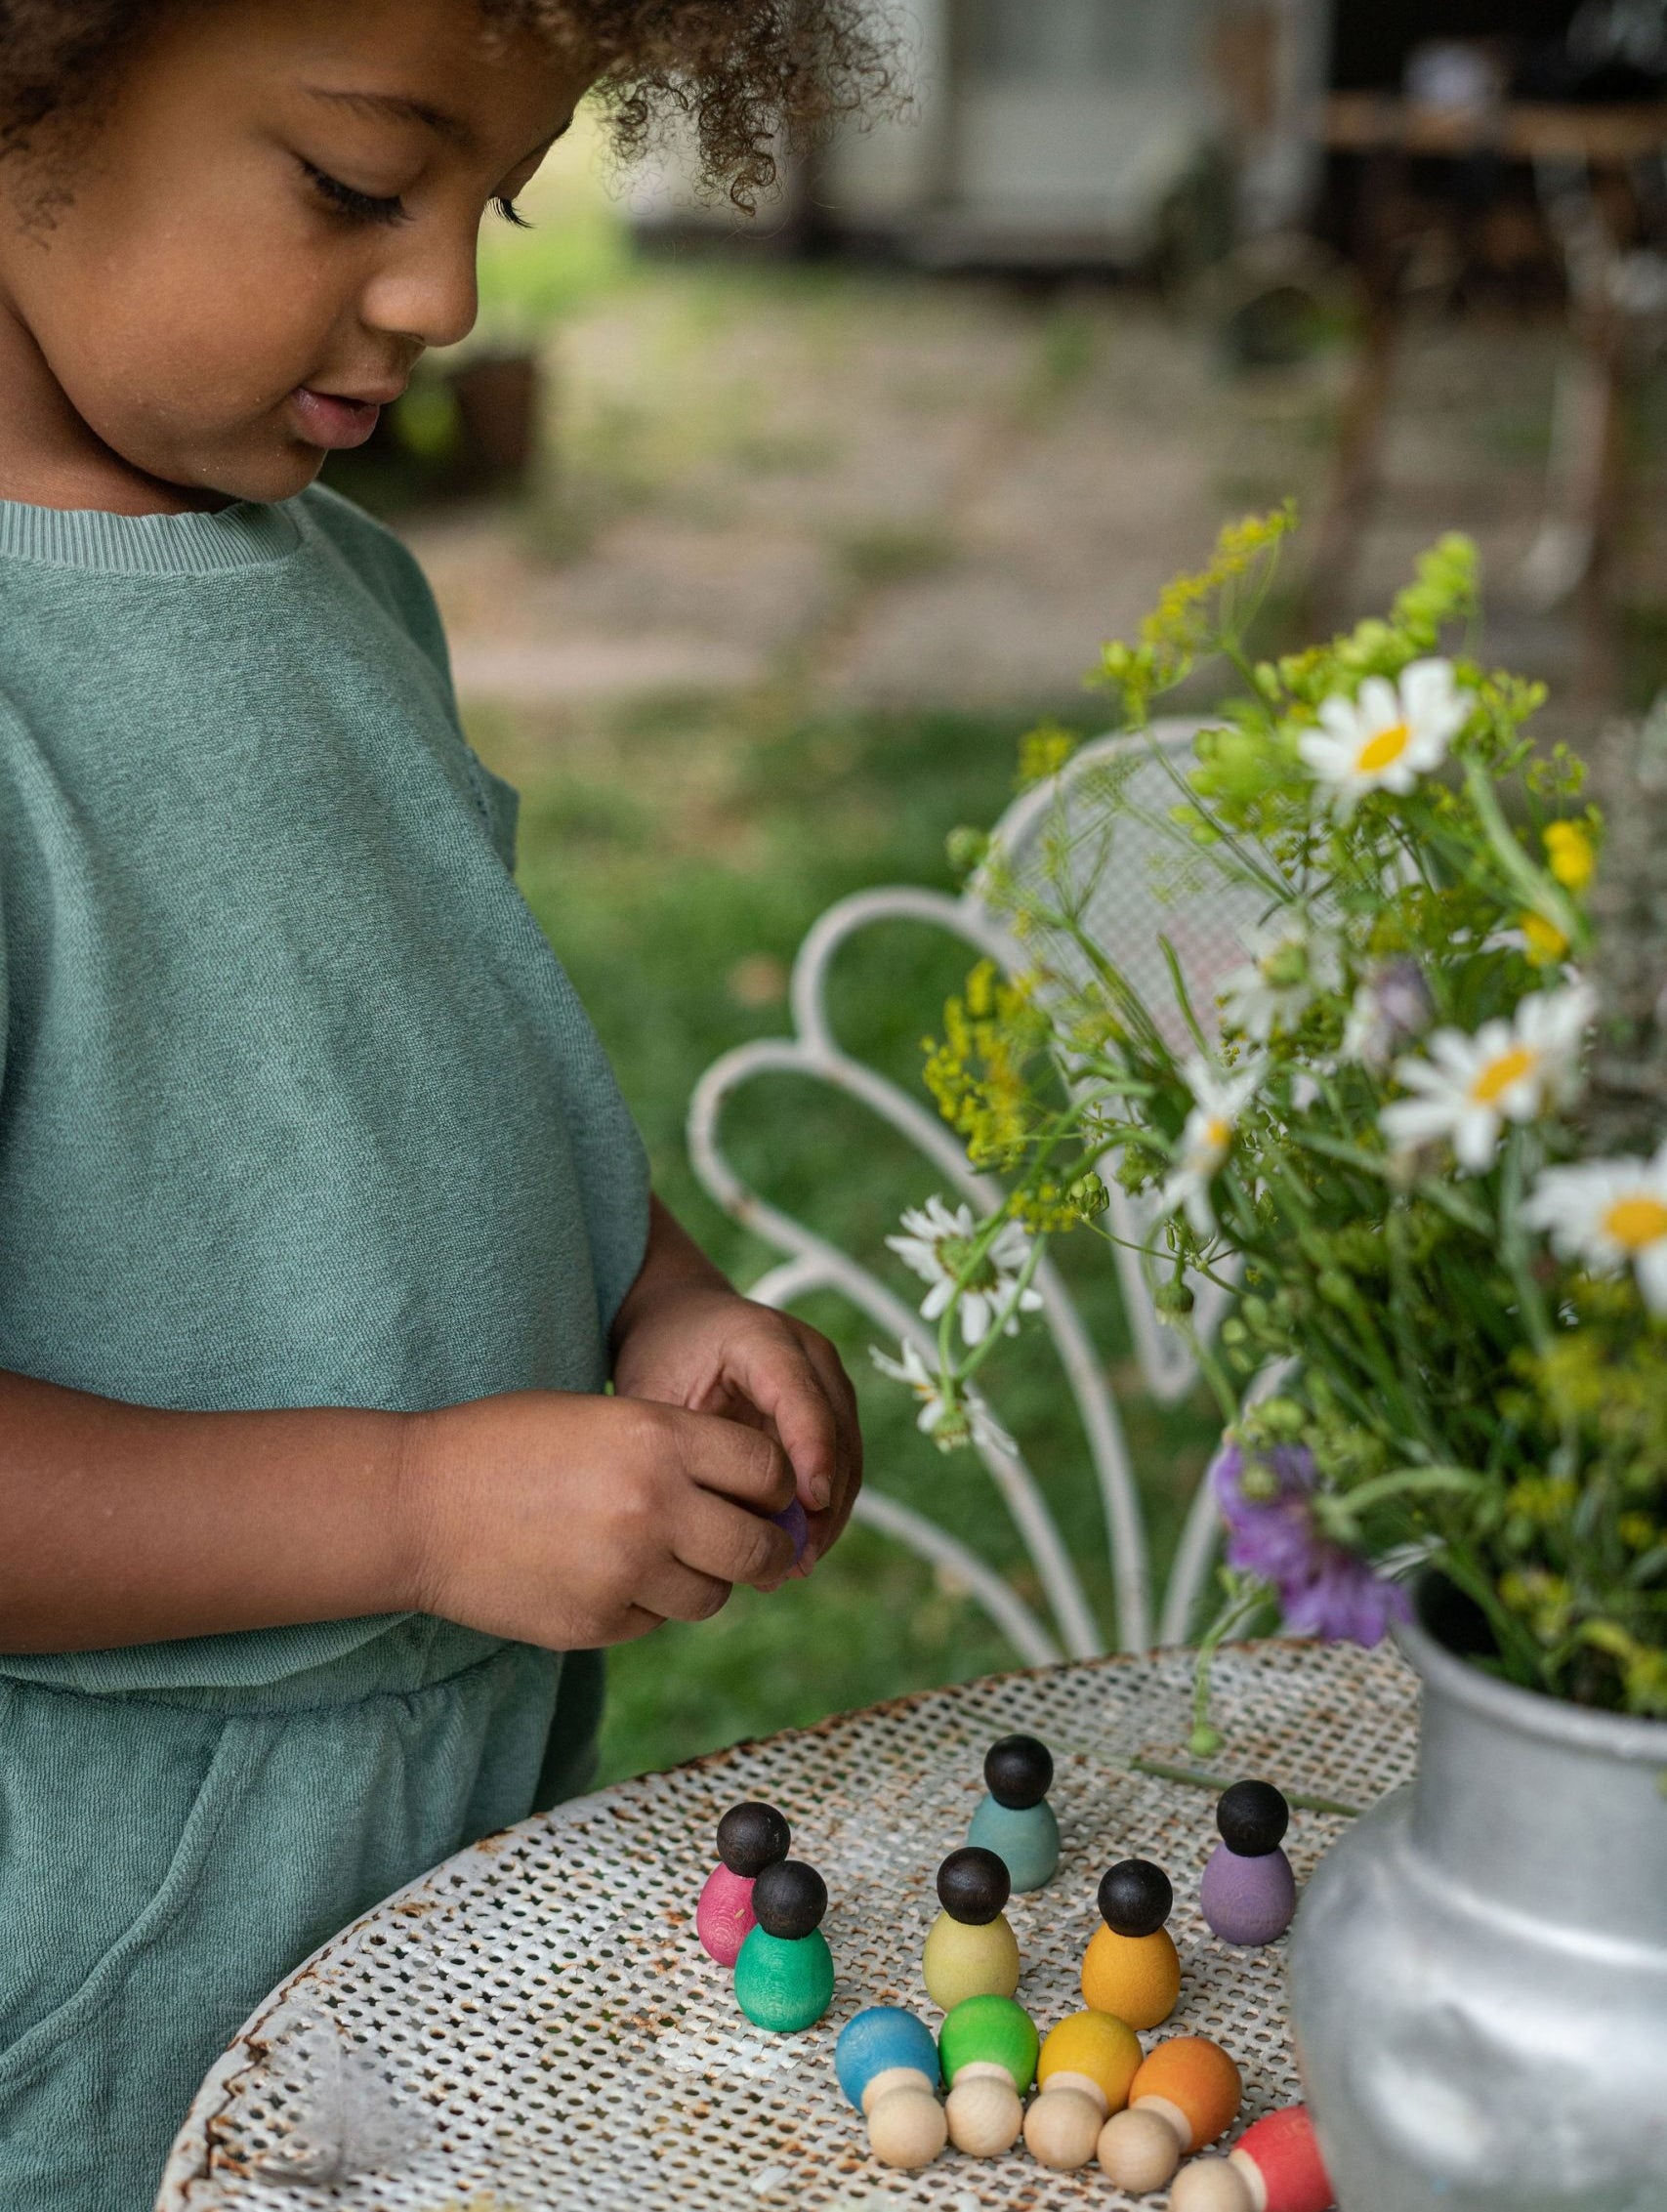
column 1323, row 1590
column 1390, row 1009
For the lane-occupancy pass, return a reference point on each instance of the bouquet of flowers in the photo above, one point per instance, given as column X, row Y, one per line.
column 1418, row 1137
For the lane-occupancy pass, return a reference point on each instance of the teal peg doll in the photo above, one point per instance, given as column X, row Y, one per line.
column 1014, row 1820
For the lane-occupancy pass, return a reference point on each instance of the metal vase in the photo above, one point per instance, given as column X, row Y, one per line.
column 1480, row 1965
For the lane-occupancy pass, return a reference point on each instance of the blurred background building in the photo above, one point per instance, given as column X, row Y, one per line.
column 760, row 544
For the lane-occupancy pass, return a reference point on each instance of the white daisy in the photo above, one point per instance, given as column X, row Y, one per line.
column 1389, row 735
column 938, row 1246
column 945, row 1428
column 1217, row 1101
column 1611, row 1213
column 1470, row 1086
column 1290, row 964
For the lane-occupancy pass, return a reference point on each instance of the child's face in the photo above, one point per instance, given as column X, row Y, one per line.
column 275, row 212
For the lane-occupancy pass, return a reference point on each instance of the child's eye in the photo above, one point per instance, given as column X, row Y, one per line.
column 364, row 207
column 508, row 209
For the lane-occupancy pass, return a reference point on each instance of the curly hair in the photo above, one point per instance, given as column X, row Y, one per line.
column 752, row 76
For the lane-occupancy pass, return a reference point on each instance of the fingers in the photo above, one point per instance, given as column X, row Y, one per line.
column 792, row 1391
column 743, row 1463
column 847, row 1479
column 728, row 1543
column 677, row 1592
column 635, row 1623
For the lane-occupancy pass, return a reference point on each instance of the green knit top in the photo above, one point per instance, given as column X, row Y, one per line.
column 297, row 1105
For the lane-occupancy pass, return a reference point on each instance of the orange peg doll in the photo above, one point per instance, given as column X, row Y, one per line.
column 1130, row 1968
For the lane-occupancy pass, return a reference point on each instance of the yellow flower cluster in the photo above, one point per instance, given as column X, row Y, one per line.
column 1569, row 854
column 1542, row 1501
column 1048, row 1210
column 1541, row 1599
column 977, row 1072
column 1185, row 621
column 1547, row 944
column 1043, row 752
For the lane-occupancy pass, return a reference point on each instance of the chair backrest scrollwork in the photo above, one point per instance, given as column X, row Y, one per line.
column 1140, row 896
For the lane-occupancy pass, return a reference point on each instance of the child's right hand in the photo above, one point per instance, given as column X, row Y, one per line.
column 569, row 1520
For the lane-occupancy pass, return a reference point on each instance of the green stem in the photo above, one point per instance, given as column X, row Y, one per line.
column 1512, row 1245
column 1195, row 1778
column 1204, row 1738
column 982, row 1350
column 1340, row 1511
column 1535, row 889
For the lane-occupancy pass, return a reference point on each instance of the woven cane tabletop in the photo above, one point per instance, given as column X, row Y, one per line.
column 534, row 2028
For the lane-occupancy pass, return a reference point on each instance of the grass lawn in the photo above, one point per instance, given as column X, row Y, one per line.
column 676, row 856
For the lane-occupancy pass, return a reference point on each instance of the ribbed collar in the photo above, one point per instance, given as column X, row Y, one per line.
column 150, row 545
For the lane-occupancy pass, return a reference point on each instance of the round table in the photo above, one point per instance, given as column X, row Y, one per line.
column 534, row 2028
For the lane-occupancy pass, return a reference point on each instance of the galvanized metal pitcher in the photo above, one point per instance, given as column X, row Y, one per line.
column 1480, row 1966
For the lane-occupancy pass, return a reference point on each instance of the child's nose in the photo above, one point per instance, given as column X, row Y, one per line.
column 427, row 293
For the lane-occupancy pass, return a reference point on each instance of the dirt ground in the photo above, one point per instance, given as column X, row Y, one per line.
column 879, row 491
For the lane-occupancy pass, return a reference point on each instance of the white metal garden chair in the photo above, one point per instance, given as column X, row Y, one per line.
column 1129, row 909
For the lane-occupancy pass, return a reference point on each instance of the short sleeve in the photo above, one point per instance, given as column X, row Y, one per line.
column 502, row 803
column 393, row 572
column 386, row 567
column 5, row 981
column 10, row 819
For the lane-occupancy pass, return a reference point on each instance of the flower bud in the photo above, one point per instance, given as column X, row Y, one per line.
column 1088, row 1195
column 1281, row 1416
column 968, row 849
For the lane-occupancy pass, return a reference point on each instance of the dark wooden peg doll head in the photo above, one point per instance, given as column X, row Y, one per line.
column 1253, row 1817
column 974, row 1886
column 1019, row 1772
column 1135, row 1897
column 751, row 1837
column 789, row 1899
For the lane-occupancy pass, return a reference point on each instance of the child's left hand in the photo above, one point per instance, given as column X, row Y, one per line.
column 686, row 1337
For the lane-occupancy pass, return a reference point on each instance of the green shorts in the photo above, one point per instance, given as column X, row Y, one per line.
column 166, row 1859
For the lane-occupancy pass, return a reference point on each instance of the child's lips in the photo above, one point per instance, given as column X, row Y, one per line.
column 333, row 420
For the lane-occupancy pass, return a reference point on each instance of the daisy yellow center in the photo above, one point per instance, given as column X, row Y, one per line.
column 1383, row 749
column 1636, row 1222
column 1218, row 1134
column 1497, row 1077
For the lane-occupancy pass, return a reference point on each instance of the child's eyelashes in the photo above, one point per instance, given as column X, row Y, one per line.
column 369, row 207
column 363, row 207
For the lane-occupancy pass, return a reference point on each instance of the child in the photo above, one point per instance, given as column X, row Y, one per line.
column 322, row 1225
